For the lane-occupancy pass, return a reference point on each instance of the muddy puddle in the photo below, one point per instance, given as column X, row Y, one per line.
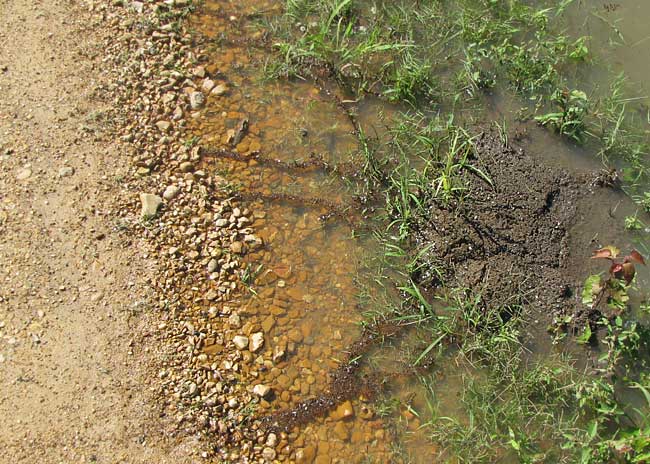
column 618, row 31
column 306, row 285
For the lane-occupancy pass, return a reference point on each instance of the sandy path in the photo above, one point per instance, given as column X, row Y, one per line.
column 72, row 294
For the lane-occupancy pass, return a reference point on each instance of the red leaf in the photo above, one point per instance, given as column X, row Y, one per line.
column 636, row 257
column 616, row 268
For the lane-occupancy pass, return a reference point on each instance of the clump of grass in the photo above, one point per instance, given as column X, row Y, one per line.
column 501, row 422
column 570, row 119
column 512, row 407
column 335, row 42
column 434, row 156
column 622, row 134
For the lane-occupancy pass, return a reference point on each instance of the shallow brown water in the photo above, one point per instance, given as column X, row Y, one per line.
column 619, row 36
column 304, row 295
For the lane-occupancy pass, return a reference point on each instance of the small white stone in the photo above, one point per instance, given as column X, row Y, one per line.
column 240, row 341
column 272, row 440
column 208, row 84
column 219, row 90
column 23, row 174
column 197, row 100
column 163, row 126
column 234, row 320
column 170, row 192
column 66, row 171
column 150, row 205
column 269, row 454
column 199, row 71
column 257, row 341
column 138, row 6
column 262, row 390
column 177, row 114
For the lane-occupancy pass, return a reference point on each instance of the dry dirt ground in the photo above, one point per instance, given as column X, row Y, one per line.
column 73, row 384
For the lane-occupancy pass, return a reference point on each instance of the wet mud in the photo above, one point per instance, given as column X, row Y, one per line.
column 347, row 382
column 509, row 240
column 314, row 162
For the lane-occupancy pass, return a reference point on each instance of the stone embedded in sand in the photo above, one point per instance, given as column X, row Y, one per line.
column 272, row 440
column 192, row 391
column 234, row 320
column 170, row 192
column 305, row 455
column 341, row 432
column 295, row 335
column 177, row 114
column 66, row 171
column 296, row 293
column 261, row 390
column 150, row 205
column 240, row 341
column 237, row 247
column 306, row 328
column 279, row 352
column 199, row 71
column 257, row 341
column 268, row 323
column 186, row 166
column 138, row 7
column 23, row 174
column 284, row 381
column 269, row 454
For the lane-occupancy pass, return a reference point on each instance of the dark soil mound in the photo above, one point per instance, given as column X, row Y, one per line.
column 507, row 241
